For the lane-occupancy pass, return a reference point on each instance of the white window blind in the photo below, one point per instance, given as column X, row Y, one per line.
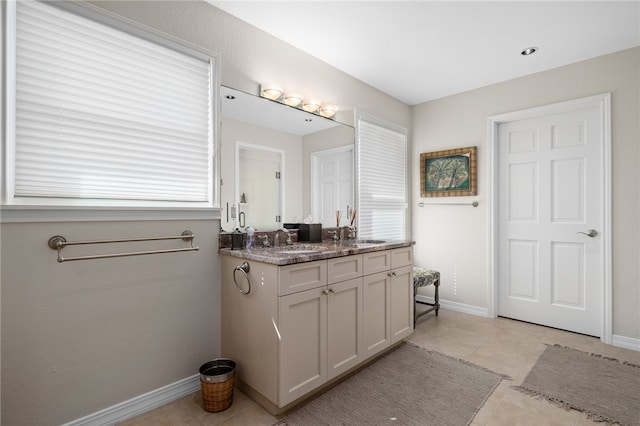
column 104, row 114
column 381, row 179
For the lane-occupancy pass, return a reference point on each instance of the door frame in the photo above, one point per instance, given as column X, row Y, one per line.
column 603, row 103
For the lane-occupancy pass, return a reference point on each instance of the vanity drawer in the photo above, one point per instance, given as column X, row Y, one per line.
column 401, row 257
column 302, row 276
column 344, row 268
column 376, row 261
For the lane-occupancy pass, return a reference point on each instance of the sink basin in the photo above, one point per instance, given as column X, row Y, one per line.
column 298, row 251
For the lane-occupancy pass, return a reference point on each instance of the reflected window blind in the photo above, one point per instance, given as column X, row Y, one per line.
column 381, row 179
column 104, row 114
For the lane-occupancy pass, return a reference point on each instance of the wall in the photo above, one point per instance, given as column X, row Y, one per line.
column 455, row 239
column 82, row 336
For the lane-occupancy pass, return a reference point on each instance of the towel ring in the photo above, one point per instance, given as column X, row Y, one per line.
column 244, row 268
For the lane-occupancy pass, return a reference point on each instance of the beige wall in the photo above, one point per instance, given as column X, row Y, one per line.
column 455, row 239
column 79, row 337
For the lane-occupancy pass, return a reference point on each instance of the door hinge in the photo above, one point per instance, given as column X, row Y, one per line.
column 278, row 218
column 277, row 175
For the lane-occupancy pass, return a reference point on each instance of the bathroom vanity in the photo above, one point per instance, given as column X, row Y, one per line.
column 298, row 318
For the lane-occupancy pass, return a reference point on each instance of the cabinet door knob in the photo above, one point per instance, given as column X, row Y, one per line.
column 325, row 291
column 332, row 291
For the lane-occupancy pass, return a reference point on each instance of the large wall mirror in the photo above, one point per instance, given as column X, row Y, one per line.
column 281, row 164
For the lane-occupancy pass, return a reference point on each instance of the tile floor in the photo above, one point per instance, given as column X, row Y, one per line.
column 502, row 345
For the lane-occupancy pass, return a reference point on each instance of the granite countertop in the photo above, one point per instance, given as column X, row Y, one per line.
column 308, row 252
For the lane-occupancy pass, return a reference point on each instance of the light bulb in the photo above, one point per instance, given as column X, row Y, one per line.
column 311, row 105
column 271, row 91
column 328, row 110
column 292, row 99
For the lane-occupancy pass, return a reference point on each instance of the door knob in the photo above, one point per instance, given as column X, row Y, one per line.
column 590, row 233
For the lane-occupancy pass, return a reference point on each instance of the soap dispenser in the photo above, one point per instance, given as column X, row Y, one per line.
column 250, row 237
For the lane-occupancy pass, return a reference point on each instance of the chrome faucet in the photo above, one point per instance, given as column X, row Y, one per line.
column 288, row 241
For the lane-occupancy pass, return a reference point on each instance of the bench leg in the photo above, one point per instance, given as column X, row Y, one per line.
column 436, row 296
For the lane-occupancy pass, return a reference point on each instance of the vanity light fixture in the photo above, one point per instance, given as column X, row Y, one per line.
column 529, row 51
column 275, row 92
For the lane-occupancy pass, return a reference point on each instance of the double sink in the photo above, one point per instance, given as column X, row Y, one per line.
column 307, row 252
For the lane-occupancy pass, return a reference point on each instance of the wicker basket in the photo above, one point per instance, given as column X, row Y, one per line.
column 217, row 380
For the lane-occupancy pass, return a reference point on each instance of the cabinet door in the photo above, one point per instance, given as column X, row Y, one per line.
column 344, row 334
column 375, row 307
column 303, row 352
column 401, row 301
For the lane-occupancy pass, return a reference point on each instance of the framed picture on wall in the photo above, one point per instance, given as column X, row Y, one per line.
column 450, row 173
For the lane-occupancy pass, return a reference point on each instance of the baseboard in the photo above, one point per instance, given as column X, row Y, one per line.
column 626, row 342
column 140, row 404
column 455, row 306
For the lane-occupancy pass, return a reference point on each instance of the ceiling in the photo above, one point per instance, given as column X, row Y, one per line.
column 418, row 51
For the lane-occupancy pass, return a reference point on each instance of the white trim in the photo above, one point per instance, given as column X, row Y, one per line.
column 626, row 342
column 458, row 307
column 602, row 101
column 136, row 29
column 140, row 404
column 315, row 156
column 371, row 119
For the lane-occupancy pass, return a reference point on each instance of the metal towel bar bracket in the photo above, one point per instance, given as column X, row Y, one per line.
column 472, row 204
column 58, row 242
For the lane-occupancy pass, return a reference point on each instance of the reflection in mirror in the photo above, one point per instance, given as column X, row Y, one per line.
column 258, row 181
column 263, row 127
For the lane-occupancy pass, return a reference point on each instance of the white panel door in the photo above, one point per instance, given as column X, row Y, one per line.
column 259, row 182
column 332, row 185
column 550, row 197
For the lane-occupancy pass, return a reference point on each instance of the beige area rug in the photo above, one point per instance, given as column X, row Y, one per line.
column 605, row 389
column 409, row 386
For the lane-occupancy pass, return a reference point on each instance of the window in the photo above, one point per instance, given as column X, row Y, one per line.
column 381, row 177
column 102, row 113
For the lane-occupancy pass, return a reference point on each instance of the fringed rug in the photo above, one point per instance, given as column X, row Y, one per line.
column 409, row 386
column 606, row 389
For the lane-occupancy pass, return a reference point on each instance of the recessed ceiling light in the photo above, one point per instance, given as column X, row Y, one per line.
column 529, row 51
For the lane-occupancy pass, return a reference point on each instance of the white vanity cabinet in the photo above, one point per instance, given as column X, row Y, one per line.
column 388, row 298
column 321, row 327
column 306, row 323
